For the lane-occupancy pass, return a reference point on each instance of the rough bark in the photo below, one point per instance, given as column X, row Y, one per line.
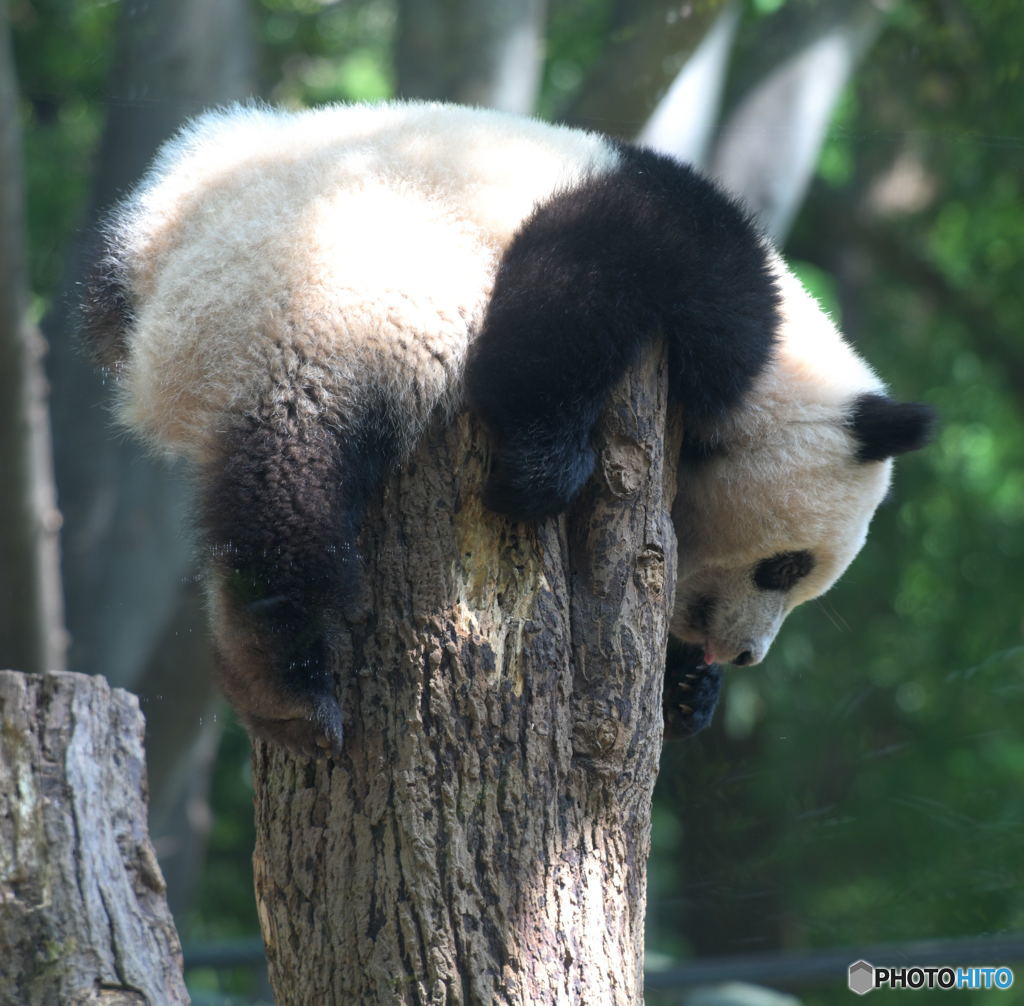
column 83, row 918
column 484, row 836
column 31, row 605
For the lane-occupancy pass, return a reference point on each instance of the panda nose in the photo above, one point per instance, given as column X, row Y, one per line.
column 746, row 657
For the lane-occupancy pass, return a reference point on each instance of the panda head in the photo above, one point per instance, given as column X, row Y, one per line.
column 774, row 514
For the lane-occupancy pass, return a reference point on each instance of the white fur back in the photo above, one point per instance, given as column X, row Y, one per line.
column 353, row 245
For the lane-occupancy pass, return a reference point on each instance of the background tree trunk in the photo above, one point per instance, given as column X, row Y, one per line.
column 770, row 140
column 32, row 632
column 125, row 556
column 477, row 52
column 685, row 119
column 646, row 43
column 83, row 919
column 132, row 603
column 484, row 836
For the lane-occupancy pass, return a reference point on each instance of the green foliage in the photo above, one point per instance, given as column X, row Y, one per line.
column 836, row 163
column 766, row 6
column 577, row 34
column 315, row 52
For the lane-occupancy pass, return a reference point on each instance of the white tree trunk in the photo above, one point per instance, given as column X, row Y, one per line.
column 769, row 144
column 476, row 52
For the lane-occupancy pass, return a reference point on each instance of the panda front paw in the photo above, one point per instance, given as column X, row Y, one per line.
column 691, row 691
column 538, row 478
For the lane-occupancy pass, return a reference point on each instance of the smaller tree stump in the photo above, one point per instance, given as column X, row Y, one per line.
column 83, row 913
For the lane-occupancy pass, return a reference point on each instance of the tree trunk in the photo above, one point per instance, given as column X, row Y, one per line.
column 31, row 606
column 83, row 919
column 484, row 836
column 477, row 52
column 646, row 43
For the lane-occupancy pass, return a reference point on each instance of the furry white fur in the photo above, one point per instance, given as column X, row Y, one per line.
column 367, row 237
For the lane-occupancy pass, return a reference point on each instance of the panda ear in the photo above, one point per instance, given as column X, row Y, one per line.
column 884, row 428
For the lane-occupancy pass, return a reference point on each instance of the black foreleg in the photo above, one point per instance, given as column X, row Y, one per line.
column 563, row 324
column 649, row 250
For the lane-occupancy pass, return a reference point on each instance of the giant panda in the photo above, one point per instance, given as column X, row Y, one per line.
column 287, row 298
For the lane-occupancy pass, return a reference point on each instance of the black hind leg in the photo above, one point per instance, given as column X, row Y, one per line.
column 281, row 514
column 275, row 670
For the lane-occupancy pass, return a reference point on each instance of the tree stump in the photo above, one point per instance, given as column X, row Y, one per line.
column 83, row 917
column 483, row 837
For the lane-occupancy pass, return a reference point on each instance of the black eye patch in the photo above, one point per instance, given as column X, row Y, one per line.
column 781, row 571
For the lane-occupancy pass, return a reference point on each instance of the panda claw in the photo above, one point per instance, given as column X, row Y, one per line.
column 698, row 684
